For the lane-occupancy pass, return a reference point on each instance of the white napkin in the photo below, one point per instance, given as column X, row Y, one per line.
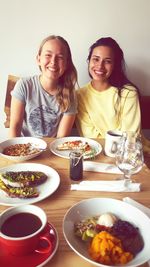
column 107, row 186
column 137, row 205
column 100, row 167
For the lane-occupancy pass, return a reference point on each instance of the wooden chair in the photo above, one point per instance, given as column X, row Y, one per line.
column 145, row 111
column 10, row 85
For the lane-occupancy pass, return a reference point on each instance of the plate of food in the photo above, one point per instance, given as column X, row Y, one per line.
column 22, row 148
column 26, row 183
column 108, row 232
column 63, row 146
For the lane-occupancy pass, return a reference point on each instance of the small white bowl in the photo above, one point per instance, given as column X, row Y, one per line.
column 96, row 206
column 35, row 142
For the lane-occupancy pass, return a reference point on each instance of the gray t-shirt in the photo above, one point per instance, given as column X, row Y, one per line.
column 42, row 111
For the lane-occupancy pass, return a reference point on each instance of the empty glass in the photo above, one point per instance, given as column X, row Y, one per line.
column 129, row 156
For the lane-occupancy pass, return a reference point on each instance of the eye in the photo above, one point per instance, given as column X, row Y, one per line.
column 60, row 57
column 108, row 61
column 95, row 59
column 47, row 55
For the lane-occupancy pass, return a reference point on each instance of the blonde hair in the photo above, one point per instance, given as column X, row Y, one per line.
column 67, row 82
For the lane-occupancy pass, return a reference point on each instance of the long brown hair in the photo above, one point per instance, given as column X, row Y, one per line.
column 118, row 77
column 67, row 82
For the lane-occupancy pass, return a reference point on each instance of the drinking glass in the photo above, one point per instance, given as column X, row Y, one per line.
column 129, row 155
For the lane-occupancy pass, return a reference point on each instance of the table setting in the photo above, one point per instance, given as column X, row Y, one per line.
column 102, row 178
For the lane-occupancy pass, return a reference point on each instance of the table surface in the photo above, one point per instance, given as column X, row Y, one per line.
column 60, row 201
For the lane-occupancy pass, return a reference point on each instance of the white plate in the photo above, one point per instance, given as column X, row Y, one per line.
column 65, row 153
column 45, row 189
column 36, row 143
column 97, row 206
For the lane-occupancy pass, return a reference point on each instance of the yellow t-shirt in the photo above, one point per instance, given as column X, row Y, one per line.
column 99, row 112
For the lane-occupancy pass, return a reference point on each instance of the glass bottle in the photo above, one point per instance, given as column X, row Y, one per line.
column 76, row 165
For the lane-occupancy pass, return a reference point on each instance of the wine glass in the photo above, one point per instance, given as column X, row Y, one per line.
column 129, row 155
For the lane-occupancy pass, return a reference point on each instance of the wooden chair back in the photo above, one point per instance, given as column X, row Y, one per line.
column 10, row 85
column 145, row 111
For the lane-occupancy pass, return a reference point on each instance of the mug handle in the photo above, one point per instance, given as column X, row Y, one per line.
column 46, row 237
column 46, row 249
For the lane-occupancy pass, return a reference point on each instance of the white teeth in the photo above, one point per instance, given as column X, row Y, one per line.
column 99, row 72
column 52, row 69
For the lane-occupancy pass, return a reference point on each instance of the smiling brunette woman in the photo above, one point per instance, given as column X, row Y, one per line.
column 109, row 101
column 45, row 105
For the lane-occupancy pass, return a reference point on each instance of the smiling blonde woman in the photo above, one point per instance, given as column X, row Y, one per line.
column 45, row 104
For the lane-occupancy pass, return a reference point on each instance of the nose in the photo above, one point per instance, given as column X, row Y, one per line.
column 100, row 64
column 53, row 60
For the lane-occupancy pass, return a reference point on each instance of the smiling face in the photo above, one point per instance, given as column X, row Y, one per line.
column 101, row 63
column 52, row 59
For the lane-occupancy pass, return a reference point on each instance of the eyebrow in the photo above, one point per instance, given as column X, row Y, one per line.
column 99, row 57
column 49, row 51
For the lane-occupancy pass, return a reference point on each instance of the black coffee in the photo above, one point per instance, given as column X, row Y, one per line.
column 114, row 134
column 21, row 224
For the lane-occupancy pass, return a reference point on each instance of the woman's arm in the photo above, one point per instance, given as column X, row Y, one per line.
column 131, row 114
column 16, row 117
column 65, row 125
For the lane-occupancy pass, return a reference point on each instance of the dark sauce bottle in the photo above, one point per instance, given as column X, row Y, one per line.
column 76, row 165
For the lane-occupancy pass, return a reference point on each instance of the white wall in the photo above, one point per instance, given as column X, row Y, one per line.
column 24, row 23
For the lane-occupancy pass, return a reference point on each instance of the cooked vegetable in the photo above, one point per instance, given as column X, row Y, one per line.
column 86, row 228
column 107, row 249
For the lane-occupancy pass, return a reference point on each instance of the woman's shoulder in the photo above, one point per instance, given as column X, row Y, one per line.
column 83, row 90
column 129, row 89
column 26, row 84
column 29, row 79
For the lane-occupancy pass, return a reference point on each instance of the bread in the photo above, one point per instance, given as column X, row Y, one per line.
column 25, row 192
column 23, row 178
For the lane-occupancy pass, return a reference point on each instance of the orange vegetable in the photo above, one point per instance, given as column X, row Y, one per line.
column 107, row 249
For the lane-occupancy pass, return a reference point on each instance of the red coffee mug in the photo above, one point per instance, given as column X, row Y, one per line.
column 23, row 245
